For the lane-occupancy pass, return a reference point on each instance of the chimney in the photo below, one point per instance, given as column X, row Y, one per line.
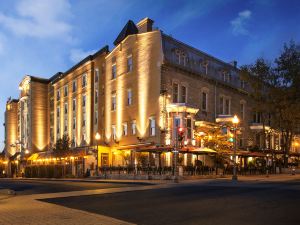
column 145, row 25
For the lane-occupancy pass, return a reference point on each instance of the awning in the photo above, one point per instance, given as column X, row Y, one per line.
column 155, row 149
column 194, row 150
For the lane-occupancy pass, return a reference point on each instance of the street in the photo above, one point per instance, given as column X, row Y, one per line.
column 26, row 187
column 252, row 200
column 215, row 203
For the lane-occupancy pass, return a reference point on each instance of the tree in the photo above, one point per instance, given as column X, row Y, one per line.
column 286, row 96
column 261, row 78
column 62, row 146
column 275, row 93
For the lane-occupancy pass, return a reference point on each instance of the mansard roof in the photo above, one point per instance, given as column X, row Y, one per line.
column 128, row 29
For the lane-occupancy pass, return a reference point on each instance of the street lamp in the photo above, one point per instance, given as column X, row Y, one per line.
column 97, row 137
column 235, row 121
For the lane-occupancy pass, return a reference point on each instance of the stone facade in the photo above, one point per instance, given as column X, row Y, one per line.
column 134, row 95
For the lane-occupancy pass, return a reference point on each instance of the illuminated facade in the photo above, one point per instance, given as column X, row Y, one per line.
column 134, row 96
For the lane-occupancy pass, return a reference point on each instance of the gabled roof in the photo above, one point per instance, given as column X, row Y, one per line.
column 128, row 29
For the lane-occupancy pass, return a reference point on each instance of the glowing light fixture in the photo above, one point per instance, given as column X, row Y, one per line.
column 235, row 120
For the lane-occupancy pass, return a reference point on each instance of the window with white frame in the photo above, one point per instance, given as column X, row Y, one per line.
column 113, row 71
column 226, row 76
column 129, row 63
column 242, row 84
column 74, row 86
column 65, row 91
column 183, row 94
column 204, row 101
column 133, row 127
column 124, row 129
column 113, row 101
column 152, row 126
column 84, row 80
column 96, row 78
column 224, row 105
column 114, row 132
column 129, row 97
column 175, row 92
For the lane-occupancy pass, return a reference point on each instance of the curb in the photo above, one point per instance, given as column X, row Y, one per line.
column 7, row 192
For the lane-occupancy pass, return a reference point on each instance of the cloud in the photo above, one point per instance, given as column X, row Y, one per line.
column 78, row 54
column 191, row 10
column 239, row 23
column 40, row 19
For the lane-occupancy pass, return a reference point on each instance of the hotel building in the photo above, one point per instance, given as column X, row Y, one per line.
column 134, row 96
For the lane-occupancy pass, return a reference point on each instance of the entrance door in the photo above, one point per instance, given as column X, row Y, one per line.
column 104, row 159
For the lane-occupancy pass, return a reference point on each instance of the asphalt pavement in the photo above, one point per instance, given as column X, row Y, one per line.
column 204, row 203
column 28, row 187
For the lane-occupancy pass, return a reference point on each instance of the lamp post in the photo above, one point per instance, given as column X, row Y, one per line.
column 97, row 137
column 235, row 121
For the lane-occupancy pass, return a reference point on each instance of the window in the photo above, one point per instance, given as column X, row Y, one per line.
column 257, row 117
column 84, row 80
column 66, row 125
column 65, row 91
column 226, row 76
column 175, row 93
column 152, row 127
column 129, row 63
column 113, row 101
column 96, row 96
column 83, row 100
column 124, row 129
column 133, row 127
column 96, row 117
column 58, row 95
column 114, row 132
column 221, row 103
column 242, row 107
column 224, row 105
column 227, row 107
column 204, row 101
column 129, row 97
column 74, row 123
column 183, row 94
column 96, row 75
column 57, row 112
column 113, row 71
column 66, row 108
column 58, row 128
column 242, row 84
column 84, row 119
column 74, row 104
column 74, row 86
column 189, row 128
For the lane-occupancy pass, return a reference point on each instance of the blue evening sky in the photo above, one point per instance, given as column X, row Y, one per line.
column 42, row 37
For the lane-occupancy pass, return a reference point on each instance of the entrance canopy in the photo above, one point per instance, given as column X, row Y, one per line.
column 198, row 151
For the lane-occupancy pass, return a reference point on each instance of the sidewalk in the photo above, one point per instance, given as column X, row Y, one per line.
column 28, row 210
